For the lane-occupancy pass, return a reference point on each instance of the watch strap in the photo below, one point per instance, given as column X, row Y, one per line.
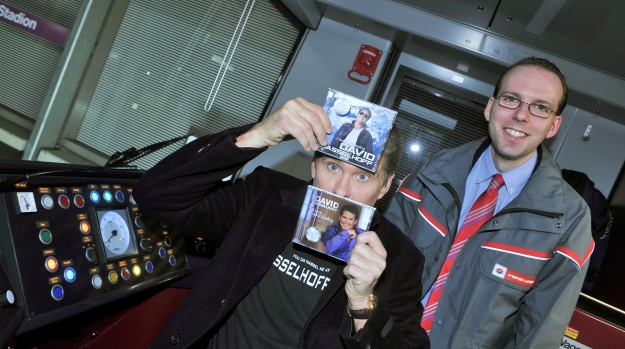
column 360, row 314
column 365, row 313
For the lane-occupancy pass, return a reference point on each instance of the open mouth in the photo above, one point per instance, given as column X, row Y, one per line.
column 515, row 134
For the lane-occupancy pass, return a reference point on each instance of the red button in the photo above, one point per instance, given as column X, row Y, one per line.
column 79, row 200
column 125, row 273
column 64, row 201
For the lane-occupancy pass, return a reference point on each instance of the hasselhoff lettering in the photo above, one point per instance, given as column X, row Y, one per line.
column 19, row 18
column 298, row 270
column 352, row 153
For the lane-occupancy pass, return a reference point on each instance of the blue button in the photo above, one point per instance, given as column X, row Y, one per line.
column 172, row 260
column 439, row 322
column 95, row 196
column 119, row 196
column 57, row 292
column 108, row 197
column 149, row 267
column 162, row 252
column 70, row 274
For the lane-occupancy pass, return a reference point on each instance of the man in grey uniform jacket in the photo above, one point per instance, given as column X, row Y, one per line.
column 516, row 281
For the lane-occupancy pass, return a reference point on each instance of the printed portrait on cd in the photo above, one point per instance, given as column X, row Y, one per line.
column 330, row 224
column 360, row 129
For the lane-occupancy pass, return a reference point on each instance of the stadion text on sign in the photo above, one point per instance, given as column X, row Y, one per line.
column 19, row 18
column 32, row 24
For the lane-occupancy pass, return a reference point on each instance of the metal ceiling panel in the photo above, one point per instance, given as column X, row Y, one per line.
column 585, row 31
column 474, row 12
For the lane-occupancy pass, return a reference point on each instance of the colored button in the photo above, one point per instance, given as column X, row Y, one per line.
column 119, row 196
column 108, row 197
column 64, row 201
column 52, row 264
column 125, row 273
column 47, row 202
column 85, row 227
column 96, row 281
column 45, row 236
column 79, row 201
column 69, row 274
column 113, row 276
column 149, row 267
column 162, row 253
column 136, row 270
column 57, row 292
column 94, row 196
column 167, row 241
column 172, row 260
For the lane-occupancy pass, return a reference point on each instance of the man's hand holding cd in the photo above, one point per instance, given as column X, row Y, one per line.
column 364, row 267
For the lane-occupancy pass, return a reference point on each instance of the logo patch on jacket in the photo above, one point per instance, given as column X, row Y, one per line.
column 513, row 276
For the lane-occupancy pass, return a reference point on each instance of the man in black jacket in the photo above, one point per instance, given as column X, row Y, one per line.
column 260, row 289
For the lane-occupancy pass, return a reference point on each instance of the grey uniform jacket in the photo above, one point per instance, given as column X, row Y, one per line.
column 516, row 281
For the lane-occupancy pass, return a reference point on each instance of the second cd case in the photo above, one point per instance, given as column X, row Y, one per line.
column 330, row 223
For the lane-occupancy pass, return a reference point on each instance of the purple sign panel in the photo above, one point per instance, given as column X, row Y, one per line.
column 33, row 24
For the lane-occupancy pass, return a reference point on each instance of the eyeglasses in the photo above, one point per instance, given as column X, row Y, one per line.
column 510, row 102
column 363, row 113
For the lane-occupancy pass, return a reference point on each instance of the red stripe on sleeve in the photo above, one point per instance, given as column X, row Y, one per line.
column 433, row 222
column 589, row 251
column 409, row 193
column 569, row 253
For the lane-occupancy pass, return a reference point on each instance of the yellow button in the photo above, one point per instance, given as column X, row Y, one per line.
column 136, row 270
column 113, row 276
column 85, row 228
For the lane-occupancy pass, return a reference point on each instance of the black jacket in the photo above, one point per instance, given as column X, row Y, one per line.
column 254, row 220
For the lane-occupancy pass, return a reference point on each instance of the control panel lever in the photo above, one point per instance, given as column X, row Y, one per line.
column 7, row 298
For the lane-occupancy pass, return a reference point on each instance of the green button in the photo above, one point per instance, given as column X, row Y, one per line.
column 46, row 236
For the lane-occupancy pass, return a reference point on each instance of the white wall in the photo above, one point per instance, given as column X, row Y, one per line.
column 323, row 61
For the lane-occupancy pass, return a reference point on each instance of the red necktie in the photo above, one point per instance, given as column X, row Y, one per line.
column 481, row 211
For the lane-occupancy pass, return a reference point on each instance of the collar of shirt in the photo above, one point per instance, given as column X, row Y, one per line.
column 514, row 179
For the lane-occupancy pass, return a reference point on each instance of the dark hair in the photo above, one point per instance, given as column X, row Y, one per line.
column 390, row 155
column 540, row 63
column 367, row 109
column 352, row 209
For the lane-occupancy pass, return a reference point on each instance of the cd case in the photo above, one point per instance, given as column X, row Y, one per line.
column 360, row 129
column 329, row 223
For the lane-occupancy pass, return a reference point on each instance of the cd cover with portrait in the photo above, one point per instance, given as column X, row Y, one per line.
column 329, row 223
column 360, row 129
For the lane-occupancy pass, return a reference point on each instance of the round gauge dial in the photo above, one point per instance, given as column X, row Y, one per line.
column 115, row 233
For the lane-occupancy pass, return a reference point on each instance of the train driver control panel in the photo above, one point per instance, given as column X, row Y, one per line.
column 70, row 243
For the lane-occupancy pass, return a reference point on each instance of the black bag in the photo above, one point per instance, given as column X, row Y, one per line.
column 601, row 220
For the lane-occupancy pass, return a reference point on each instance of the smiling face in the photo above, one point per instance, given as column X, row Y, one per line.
column 347, row 220
column 362, row 117
column 349, row 181
column 515, row 133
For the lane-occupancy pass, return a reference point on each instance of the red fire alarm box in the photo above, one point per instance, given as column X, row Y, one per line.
column 365, row 64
